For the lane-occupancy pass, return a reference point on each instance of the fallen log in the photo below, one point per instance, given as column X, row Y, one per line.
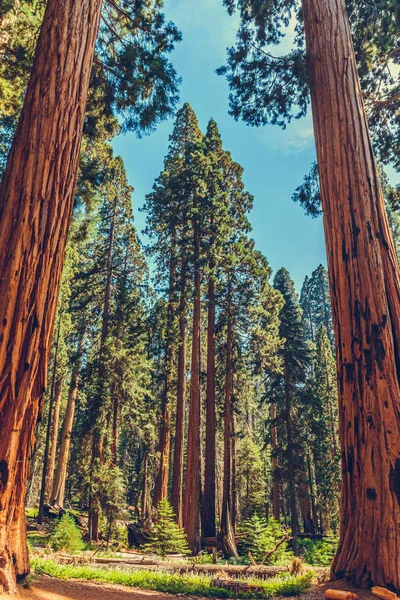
column 340, row 595
column 383, row 593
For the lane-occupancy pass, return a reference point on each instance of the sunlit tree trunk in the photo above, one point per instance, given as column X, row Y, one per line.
column 36, row 197
column 365, row 294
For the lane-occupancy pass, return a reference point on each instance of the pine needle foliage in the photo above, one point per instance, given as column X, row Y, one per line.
column 260, row 537
column 67, row 535
column 166, row 536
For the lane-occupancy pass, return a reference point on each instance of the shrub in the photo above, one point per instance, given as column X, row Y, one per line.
column 166, row 536
column 259, row 537
column 67, row 535
column 189, row 584
column 318, row 553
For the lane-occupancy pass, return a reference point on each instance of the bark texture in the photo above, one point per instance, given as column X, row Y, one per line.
column 208, row 505
column 227, row 533
column 365, row 293
column 191, row 514
column 54, row 437
column 161, row 487
column 58, row 492
column 36, row 197
column 275, row 466
column 177, row 477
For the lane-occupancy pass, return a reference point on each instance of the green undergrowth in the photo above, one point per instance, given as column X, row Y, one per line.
column 170, row 583
column 319, row 553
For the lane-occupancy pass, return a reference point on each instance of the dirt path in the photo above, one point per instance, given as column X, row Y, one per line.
column 49, row 588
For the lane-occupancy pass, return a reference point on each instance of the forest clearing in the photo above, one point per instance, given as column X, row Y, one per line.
column 180, row 414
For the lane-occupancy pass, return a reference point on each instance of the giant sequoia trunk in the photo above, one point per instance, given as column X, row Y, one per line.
column 227, row 533
column 36, row 197
column 58, row 492
column 191, row 513
column 208, row 504
column 365, row 294
column 161, row 487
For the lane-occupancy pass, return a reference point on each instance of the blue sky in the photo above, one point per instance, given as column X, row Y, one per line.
column 274, row 161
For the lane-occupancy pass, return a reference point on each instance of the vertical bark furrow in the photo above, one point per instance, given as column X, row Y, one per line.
column 36, row 197
column 365, row 294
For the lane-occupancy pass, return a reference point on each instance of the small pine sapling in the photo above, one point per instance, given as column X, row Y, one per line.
column 166, row 536
column 67, row 535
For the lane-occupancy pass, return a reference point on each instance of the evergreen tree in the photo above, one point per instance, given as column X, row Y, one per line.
column 166, row 536
column 326, row 435
column 316, row 305
column 295, row 358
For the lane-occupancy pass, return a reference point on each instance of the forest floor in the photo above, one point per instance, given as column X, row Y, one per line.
column 49, row 588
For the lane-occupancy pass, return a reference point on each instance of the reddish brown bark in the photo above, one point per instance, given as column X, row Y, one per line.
column 208, row 504
column 161, row 487
column 227, row 533
column 54, row 437
column 365, row 294
column 46, row 454
column 294, row 520
column 115, row 431
column 234, row 494
column 191, row 509
column 36, row 197
column 177, row 476
column 305, row 506
column 275, row 474
column 58, row 492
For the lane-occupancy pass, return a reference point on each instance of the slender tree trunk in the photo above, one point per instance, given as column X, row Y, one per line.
column 227, row 533
column 234, row 503
column 54, row 437
column 305, row 506
column 97, row 440
column 208, row 507
column 115, row 430
column 294, row 521
column 191, row 513
column 46, row 453
column 275, row 465
column 58, row 492
column 365, row 294
column 145, row 505
column 36, row 197
column 177, row 478
column 161, row 487
column 311, row 479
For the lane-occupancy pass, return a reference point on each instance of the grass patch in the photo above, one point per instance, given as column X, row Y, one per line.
column 31, row 512
column 170, row 583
